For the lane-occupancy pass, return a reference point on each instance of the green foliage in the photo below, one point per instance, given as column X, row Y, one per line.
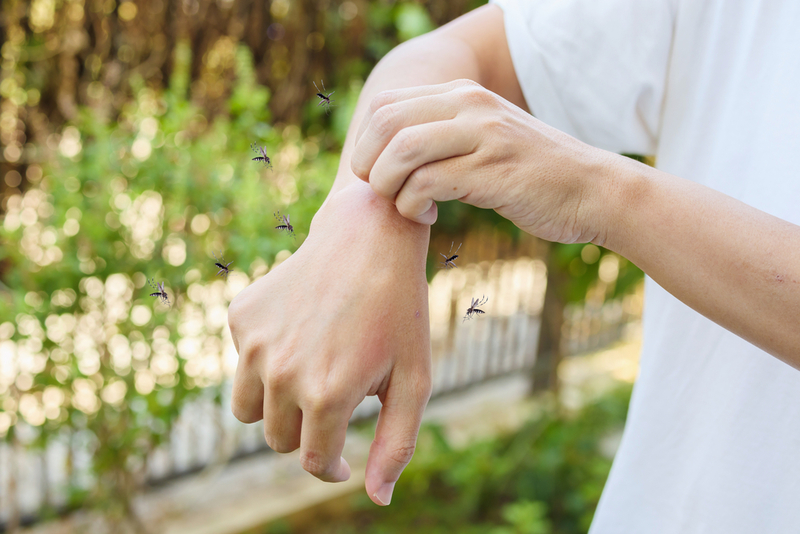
column 152, row 195
column 128, row 176
column 412, row 20
column 544, row 479
column 524, row 517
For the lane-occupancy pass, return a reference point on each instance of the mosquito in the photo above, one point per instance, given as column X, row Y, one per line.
column 161, row 293
column 450, row 261
column 285, row 224
column 224, row 271
column 262, row 155
column 324, row 100
column 473, row 308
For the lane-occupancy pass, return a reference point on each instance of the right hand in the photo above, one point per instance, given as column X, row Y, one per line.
column 460, row 141
column 346, row 316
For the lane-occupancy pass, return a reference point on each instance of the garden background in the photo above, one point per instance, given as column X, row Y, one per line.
column 125, row 133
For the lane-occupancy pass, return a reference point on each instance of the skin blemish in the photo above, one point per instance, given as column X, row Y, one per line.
column 416, row 314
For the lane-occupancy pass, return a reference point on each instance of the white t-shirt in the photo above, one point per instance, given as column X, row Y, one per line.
column 712, row 88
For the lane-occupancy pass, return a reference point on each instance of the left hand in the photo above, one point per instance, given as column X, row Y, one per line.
column 460, row 141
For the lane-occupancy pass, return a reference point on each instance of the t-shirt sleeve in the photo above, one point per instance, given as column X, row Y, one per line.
column 595, row 69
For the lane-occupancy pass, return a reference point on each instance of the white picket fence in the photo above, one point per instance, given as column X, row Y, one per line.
column 465, row 353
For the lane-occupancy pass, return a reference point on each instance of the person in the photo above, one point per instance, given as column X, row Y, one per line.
column 522, row 107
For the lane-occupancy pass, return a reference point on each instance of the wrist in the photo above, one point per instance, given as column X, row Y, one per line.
column 625, row 184
column 356, row 214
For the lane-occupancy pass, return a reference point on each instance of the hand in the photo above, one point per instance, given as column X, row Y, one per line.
column 346, row 316
column 460, row 141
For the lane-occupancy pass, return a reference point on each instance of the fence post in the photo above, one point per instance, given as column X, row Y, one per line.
column 549, row 350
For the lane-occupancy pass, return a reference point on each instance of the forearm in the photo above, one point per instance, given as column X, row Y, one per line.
column 736, row 265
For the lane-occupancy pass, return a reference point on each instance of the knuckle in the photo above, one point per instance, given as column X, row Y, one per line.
column 402, row 453
column 382, row 99
column 498, row 124
column 315, row 464
column 243, row 408
column 279, row 372
column 422, row 180
column 477, row 95
column 384, row 120
column 412, row 208
column 408, row 144
column 358, row 165
column 382, row 187
column 322, row 400
column 407, row 207
column 234, row 313
column 276, row 444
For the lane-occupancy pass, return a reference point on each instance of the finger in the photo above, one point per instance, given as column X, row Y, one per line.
column 247, row 395
column 438, row 181
column 390, row 120
column 322, row 441
column 396, row 435
column 416, row 146
column 386, row 98
column 282, row 422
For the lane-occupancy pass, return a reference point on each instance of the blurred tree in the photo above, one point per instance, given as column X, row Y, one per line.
column 89, row 356
column 125, row 128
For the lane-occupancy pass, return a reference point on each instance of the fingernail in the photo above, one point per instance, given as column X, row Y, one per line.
column 384, row 493
column 430, row 216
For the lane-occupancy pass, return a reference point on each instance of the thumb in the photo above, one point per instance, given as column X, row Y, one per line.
column 396, row 434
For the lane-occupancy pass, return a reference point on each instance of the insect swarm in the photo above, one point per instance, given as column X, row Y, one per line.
column 262, row 155
column 324, row 100
column 284, row 225
column 450, row 261
column 224, row 271
column 473, row 308
column 161, row 293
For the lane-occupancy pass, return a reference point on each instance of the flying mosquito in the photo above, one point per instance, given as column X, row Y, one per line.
column 324, row 100
column 473, row 308
column 161, row 293
column 262, row 155
column 450, row 261
column 224, row 271
column 285, row 224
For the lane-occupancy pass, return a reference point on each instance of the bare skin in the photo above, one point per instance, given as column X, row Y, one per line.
column 347, row 315
column 316, row 336
column 738, row 266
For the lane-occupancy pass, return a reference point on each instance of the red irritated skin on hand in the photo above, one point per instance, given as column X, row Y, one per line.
column 347, row 314
column 338, row 320
column 313, row 343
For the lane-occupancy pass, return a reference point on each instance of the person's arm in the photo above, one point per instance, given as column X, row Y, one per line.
column 738, row 266
column 472, row 47
column 347, row 315
column 733, row 263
